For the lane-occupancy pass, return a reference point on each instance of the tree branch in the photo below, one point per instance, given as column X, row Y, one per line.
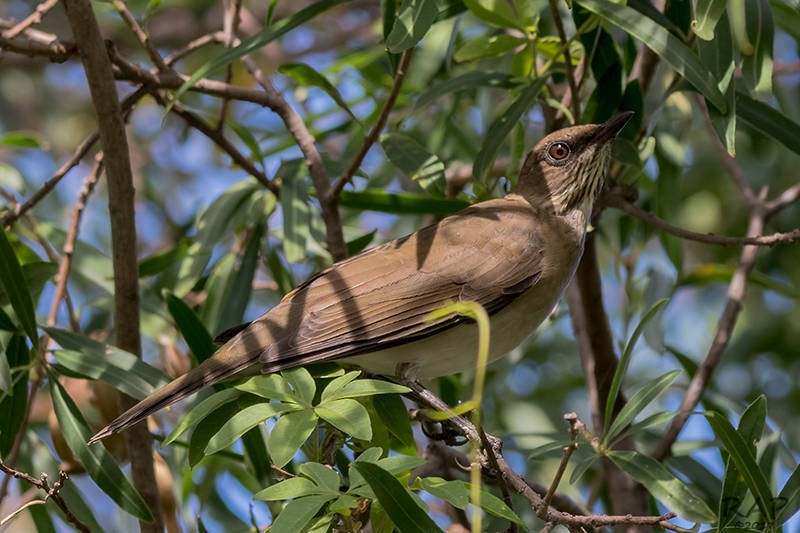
column 727, row 321
column 611, row 198
column 111, row 128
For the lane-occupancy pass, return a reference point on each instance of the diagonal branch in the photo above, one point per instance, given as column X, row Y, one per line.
column 372, row 136
column 615, row 200
column 727, row 321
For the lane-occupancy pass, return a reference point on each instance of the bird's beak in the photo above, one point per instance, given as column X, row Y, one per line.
column 611, row 128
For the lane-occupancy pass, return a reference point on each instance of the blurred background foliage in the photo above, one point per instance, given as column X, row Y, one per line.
column 216, row 240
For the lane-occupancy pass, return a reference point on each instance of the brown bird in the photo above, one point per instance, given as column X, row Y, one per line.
column 514, row 256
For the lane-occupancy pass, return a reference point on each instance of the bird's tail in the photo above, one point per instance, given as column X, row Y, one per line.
column 208, row 373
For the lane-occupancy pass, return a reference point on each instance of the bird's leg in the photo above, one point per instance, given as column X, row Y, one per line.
column 448, row 429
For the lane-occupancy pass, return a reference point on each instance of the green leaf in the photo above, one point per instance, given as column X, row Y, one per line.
column 638, row 402
column 215, row 221
column 324, row 477
column 294, row 487
column 289, row 433
column 22, row 139
column 415, row 161
column 126, row 372
column 501, row 126
column 718, row 57
column 488, row 46
column 306, row 75
column 757, row 66
column 191, row 327
column 365, row 387
column 280, row 274
column 396, row 499
column 302, row 384
column 401, row 203
column 271, row 386
column 457, row 493
column 99, row 464
column 14, row 402
column 497, row 12
column 394, row 415
column 790, row 497
column 745, row 461
column 294, row 205
column 714, row 273
column 464, row 82
column 260, row 39
column 346, row 415
column 706, row 15
column 663, row 485
column 668, row 47
column 411, row 25
column 625, row 360
column 298, row 513
column 769, row 121
column 13, row 281
column 338, row 384
column 244, row 421
column 155, row 264
column 235, row 299
column 359, row 244
column 201, row 411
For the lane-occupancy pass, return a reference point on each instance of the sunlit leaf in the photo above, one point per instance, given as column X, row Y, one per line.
column 289, row 433
column 663, row 485
column 411, row 25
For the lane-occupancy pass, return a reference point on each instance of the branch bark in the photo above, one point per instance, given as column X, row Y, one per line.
column 111, row 128
column 599, row 360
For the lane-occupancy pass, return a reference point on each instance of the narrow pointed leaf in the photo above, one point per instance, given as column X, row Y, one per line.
column 745, row 461
column 242, row 422
column 663, row 485
column 769, row 121
column 411, row 25
column 98, row 462
column 656, row 37
column 191, row 327
column 639, row 401
column 407, row 516
column 298, row 513
column 13, row 281
column 201, row 411
column 501, row 127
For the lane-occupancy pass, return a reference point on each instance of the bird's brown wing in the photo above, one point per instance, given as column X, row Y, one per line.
column 382, row 298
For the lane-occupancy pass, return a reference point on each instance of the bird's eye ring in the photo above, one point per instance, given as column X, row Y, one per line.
column 559, row 151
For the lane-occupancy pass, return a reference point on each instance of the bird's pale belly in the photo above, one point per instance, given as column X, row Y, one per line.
column 455, row 350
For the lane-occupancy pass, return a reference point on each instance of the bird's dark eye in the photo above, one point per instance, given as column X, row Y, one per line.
column 559, row 151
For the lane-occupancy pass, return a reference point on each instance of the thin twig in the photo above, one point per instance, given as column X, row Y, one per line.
column 79, row 153
column 220, row 140
column 727, row 321
column 373, row 134
column 619, row 202
column 575, row 427
column 520, row 485
column 230, row 25
column 573, row 87
column 140, row 34
column 51, row 493
column 787, row 197
column 34, row 18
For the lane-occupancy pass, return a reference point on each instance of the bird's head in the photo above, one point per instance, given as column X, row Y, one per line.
column 566, row 169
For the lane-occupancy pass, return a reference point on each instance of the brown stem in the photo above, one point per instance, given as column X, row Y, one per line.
column 727, row 321
column 599, row 360
column 373, row 134
column 573, row 87
column 788, row 237
column 50, row 492
column 111, row 127
column 34, row 18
